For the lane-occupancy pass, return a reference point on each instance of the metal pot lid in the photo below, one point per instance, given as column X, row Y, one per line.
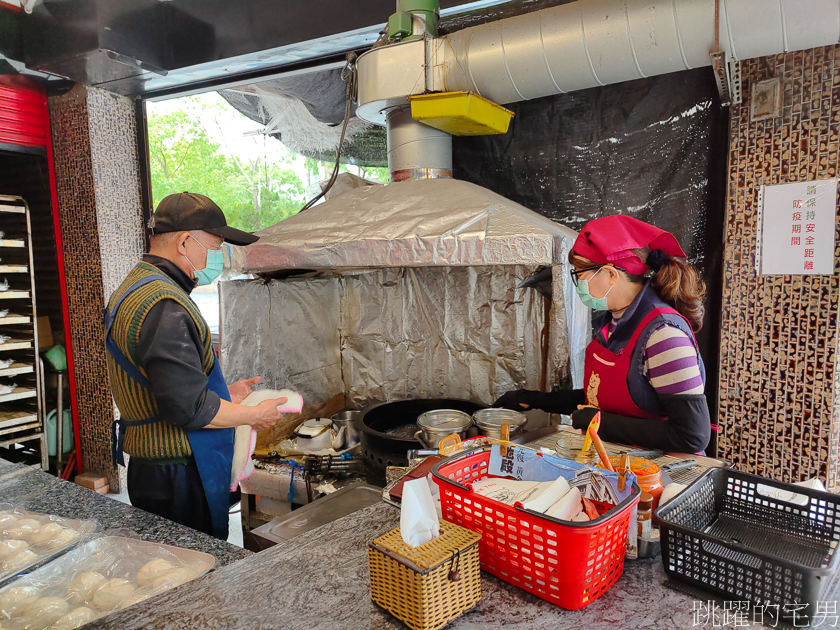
column 313, row 427
column 493, row 418
column 444, row 419
column 344, row 416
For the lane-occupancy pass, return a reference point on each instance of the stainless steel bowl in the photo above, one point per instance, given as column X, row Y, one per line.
column 489, row 422
column 436, row 425
column 347, row 419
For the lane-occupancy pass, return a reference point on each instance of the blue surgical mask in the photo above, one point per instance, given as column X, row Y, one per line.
column 213, row 268
column 597, row 304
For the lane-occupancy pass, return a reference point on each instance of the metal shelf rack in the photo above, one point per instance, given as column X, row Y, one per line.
column 22, row 408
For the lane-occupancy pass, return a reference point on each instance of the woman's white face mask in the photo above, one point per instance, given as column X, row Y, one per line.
column 582, row 289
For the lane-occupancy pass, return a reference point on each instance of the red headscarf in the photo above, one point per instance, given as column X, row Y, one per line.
column 610, row 240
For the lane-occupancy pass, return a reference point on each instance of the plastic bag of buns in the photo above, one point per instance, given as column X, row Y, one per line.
column 29, row 538
column 96, row 578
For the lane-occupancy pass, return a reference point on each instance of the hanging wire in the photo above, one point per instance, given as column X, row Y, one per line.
column 350, row 75
column 382, row 40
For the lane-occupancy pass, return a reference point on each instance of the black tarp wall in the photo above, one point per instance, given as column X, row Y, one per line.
column 652, row 148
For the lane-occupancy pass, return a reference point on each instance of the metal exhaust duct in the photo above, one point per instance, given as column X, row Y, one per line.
column 415, row 150
column 575, row 46
column 589, row 43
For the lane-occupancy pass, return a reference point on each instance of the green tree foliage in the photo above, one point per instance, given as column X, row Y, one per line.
column 253, row 193
column 318, row 170
column 376, row 173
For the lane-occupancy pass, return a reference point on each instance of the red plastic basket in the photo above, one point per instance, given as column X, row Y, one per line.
column 568, row 564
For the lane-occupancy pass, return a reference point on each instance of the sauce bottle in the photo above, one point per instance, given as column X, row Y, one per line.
column 644, row 514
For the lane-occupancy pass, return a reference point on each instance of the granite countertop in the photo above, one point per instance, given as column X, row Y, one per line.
column 31, row 489
column 320, row 580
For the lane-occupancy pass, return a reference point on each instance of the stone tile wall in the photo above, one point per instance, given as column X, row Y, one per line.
column 779, row 377
column 116, row 180
column 97, row 179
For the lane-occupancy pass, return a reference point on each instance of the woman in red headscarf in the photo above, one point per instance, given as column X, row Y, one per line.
column 643, row 371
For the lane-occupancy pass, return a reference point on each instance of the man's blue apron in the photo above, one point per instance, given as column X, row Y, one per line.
column 212, row 448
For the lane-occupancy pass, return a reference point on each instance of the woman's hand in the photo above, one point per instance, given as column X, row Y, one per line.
column 510, row 401
column 583, row 416
column 240, row 390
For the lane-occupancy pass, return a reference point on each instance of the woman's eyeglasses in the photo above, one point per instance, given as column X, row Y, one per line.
column 576, row 272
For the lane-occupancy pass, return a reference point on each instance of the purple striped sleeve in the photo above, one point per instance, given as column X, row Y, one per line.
column 671, row 363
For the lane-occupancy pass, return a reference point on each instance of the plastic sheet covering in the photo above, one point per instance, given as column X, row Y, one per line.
column 388, row 334
column 645, row 148
column 31, row 538
column 305, row 114
column 285, row 331
column 419, row 223
column 440, row 333
column 98, row 577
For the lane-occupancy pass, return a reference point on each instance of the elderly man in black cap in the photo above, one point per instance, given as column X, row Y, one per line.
column 177, row 413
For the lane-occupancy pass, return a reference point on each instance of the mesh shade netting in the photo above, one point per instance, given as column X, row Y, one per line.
column 306, row 113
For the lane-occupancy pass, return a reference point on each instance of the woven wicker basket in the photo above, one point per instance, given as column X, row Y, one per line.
column 414, row 583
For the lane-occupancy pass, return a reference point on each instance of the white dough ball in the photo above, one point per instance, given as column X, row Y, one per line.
column 14, row 601
column 19, row 560
column 8, row 547
column 62, row 538
column 670, row 491
column 111, row 593
column 6, row 520
column 76, row 618
column 44, row 612
column 45, row 533
column 293, row 404
column 28, row 523
column 18, row 533
column 153, row 569
column 174, row 578
column 83, row 585
column 22, row 528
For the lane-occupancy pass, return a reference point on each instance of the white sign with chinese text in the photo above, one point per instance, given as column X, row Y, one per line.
column 798, row 228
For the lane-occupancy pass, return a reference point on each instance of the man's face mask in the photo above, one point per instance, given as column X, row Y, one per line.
column 597, row 304
column 213, row 268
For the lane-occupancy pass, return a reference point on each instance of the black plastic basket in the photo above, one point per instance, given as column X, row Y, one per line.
column 725, row 536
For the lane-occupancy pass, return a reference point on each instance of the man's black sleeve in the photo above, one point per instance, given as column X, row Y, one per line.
column 687, row 429
column 171, row 353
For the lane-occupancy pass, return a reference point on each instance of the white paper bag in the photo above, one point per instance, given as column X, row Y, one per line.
column 418, row 518
column 549, row 494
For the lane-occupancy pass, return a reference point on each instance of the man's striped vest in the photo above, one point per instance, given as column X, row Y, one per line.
column 158, row 442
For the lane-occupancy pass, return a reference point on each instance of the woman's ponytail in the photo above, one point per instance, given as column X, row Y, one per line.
column 678, row 284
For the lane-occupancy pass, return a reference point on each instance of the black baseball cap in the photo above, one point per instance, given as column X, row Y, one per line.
column 187, row 211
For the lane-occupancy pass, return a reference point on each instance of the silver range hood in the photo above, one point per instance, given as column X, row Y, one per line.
column 417, row 223
column 405, row 290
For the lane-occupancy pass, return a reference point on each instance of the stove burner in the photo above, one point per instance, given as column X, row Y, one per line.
column 385, row 431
